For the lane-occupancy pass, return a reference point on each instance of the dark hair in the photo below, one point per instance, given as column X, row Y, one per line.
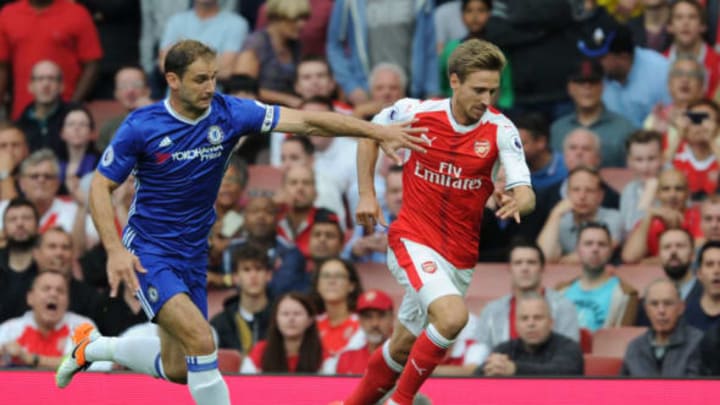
column 8, row 125
column 488, row 4
column 586, row 169
column 713, row 244
column 326, row 101
column 535, row 123
column 309, row 59
column 702, row 14
column 184, row 53
column 65, row 277
column 304, row 141
column 527, row 244
column 593, row 225
column 90, row 148
column 250, row 252
column 687, row 233
column 21, row 202
column 239, row 164
column 136, row 68
column 311, row 351
column 706, row 102
column 244, row 83
column 643, row 136
column 353, row 277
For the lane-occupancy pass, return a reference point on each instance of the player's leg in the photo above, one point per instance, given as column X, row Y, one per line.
column 181, row 318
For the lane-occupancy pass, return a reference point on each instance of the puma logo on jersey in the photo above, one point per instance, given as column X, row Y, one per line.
column 427, row 139
column 166, row 142
column 419, row 369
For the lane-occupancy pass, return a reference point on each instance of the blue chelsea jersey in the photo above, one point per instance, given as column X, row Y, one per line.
column 178, row 166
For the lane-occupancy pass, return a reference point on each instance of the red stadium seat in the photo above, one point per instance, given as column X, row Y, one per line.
column 599, row 366
column 491, row 280
column 377, row 276
column 640, row 275
column 476, row 304
column 263, row 180
column 616, row 177
column 612, row 342
column 103, row 110
column 216, row 298
column 586, row 339
column 558, row 273
column 229, row 360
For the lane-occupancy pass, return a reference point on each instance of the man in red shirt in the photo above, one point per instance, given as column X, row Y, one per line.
column 434, row 241
column 376, row 321
column 56, row 30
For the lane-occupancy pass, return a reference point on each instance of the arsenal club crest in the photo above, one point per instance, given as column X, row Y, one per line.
column 482, row 148
column 429, row 267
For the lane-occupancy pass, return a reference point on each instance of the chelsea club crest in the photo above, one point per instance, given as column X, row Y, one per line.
column 215, row 135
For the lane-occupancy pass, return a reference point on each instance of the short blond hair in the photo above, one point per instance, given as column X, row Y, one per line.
column 287, row 9
column 474, row 55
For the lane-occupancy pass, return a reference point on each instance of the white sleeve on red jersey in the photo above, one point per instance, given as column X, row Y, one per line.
column 403, row 110
column 512, row 156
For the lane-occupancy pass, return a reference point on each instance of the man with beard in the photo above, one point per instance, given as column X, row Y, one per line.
column 17, row 268
column 602, row 300
column 287, row 262
column 375, row 309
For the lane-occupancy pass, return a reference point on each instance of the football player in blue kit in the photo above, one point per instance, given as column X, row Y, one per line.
column 178, row 150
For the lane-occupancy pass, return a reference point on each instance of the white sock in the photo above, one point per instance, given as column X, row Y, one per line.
column 140, row 354
column 205, row 382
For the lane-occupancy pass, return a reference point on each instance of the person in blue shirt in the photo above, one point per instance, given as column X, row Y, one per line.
column 177, row 150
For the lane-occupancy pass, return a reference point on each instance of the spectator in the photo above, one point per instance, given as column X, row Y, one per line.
column 41, row 337
column 710, row 352
column 313, row 78
column 80, row 155
column 601, row 299
column 223, row 30
column 474, row 15
column 650, row 29
column 60, row 31
column 685, row 84
column 559, row 236
column 497, row 319
column 375, row 310
column 53, row 252
column 293, row 343
column 313, row 34
column 697, row 154
column 336, row 287
column 687, row 26
column 447, row 19
column 387, row 85
column 245, row 317
column 634, row 77
column 710, row 218
column 254, row 148
column 132, row 92
column 287, row 261
column 670, row 347
column 702, row 309
column 644, row 159
column 299, row 150
column 363, row 34
column 326, row 237
column 154, row 17
column 537, row 350
column 585, row 87
column 13, row 150
column 39, row 183
column 669, row 211
column 118, row 24
column 17, row 268
column 363, row 248
column 546, row 164
column 42, row 119
column 271, row 55
column 297, row 221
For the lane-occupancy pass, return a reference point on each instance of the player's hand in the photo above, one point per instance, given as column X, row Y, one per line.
column 508, row 206
column 399, row 136
column 121, row 267
column 369, row 214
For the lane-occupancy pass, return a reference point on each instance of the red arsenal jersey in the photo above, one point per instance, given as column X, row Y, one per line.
column 445, row 189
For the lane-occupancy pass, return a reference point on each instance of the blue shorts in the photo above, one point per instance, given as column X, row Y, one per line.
column 166, row 278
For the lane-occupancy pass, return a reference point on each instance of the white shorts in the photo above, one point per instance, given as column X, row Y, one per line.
column 426, row 276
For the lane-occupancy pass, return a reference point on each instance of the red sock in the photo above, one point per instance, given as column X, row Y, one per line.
column 379, row 378
column 424, row 357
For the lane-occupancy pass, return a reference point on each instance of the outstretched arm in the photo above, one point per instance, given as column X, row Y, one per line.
column 322, row 123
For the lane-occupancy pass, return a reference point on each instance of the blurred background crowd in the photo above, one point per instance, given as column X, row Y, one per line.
column 616, row 271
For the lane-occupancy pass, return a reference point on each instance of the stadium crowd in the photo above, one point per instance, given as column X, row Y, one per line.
column 617, row 106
